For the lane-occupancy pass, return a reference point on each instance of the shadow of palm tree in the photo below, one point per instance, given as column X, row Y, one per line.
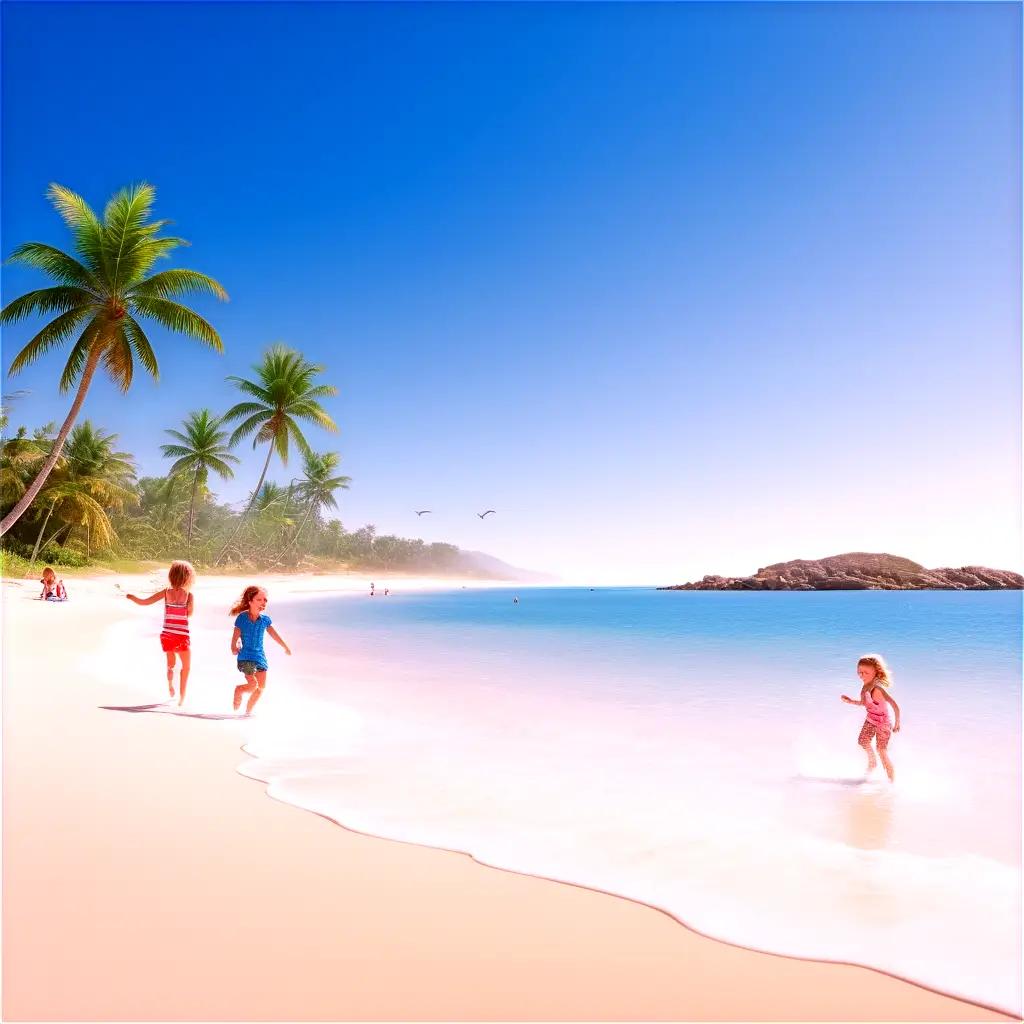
column 165, row 709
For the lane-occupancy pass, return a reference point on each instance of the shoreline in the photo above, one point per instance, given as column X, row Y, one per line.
column 208, row 882
column 996, row 1011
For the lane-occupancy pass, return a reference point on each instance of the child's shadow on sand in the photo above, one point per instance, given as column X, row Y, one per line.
column 166, row 709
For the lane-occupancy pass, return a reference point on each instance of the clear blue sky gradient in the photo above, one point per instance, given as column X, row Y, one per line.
column 675, row 288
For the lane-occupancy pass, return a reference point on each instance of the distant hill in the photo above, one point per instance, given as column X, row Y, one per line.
column 480, row 564
column 860, row 570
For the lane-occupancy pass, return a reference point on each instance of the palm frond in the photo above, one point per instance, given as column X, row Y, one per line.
column 177, row 317
column 124, row 215
column 247, row 409
column 186, row 462
column 138, row 260
column 140, row 345
column 297, row 436
column 179, row 282
column 313, row 411
column 59, row 299
column 72, row 207
column 55, row 333
column 321, row 391
column 247, row 387
column 175, row 451
column 244, row 429
column 57, row 263
column 80, row 353
column 280, row 442
column 117, row 357
column 220, row 465
column 84, row 224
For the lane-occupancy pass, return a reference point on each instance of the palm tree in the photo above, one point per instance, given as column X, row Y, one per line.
column 20, row 456
column 284, row 392
column 272, row 513
column 90, row 480
column 319, row 485
column 100, row 296
column 202, row 448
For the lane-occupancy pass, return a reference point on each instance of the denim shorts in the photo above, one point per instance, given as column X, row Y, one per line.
column 250, row 668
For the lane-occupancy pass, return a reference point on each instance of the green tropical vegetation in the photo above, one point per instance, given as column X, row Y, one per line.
column 283, row 393
column 95, row 510
column 201, row 447
column 70, row 497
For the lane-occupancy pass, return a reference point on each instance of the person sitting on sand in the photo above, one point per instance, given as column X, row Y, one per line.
column 174, row 636
column 875, row 679
column 53, row 588
column 247, row 644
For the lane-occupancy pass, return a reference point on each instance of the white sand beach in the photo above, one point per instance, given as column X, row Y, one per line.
column 146, row 879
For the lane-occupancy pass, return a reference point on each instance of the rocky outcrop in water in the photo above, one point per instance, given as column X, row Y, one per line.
column 861, row 571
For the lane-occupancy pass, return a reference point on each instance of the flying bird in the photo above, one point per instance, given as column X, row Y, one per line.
column 425, row 512
column 487, row 513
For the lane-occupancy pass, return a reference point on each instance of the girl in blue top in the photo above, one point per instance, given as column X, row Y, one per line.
column 247, row 644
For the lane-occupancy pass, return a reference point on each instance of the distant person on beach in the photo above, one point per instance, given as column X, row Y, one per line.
column 371, row 590
column 247, row 644
column 53, row 588
column 874, row 696
column 174, row 636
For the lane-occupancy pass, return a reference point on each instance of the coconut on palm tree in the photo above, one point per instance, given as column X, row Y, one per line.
column 101, row 297
column 320, row 481
column 202, row 447
column 284, row 393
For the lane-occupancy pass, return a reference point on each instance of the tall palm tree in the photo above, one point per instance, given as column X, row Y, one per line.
column 284, row 392
column 202, row 448
column 318, row 486
column 101, row 297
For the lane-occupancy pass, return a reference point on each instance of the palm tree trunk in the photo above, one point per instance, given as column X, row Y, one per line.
column 56, row 533
column 39, row 539
column 192, row 511
column 248, row 508
column 58, row 445
column 305, row 519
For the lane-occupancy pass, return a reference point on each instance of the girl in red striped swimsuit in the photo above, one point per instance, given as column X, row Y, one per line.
column 875, row 680
column 174, row 637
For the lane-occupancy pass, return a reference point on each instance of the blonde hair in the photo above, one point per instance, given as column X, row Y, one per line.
column 180, row 574
column 877, row 662
column 242, row 605
column 48, row 574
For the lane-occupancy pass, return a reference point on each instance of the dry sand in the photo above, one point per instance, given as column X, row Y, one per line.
column 145, row 879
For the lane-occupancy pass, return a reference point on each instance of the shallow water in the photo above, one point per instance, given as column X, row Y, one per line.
column 688, row 750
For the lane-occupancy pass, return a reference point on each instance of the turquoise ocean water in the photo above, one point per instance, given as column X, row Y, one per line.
column 688, row 750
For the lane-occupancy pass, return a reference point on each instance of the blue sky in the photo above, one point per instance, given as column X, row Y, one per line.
column 675, row 288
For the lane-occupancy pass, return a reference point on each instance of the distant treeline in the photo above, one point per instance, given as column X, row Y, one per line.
column 93, row 507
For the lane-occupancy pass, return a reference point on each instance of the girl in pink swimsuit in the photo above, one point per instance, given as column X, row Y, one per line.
column 875, row 680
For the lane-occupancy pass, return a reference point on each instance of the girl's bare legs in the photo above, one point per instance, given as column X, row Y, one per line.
column 186, row 667
column 883, row 753
column 864, row 740
column 261, row 682
column 248, row 686
column 170, row 671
